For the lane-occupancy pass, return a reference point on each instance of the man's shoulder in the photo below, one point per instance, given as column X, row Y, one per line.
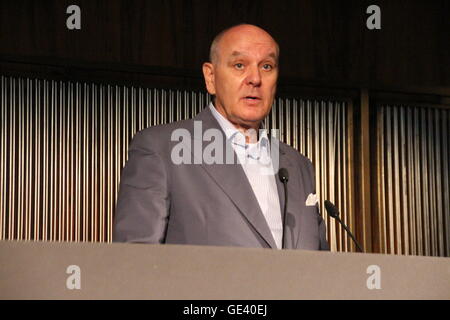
column 162, row 130
column 294, row 155
column 159, row 138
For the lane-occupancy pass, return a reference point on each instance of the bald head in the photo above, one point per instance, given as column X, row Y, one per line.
column 238, row 31
column 242, row 75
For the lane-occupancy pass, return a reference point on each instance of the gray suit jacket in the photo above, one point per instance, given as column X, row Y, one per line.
column 201, row 204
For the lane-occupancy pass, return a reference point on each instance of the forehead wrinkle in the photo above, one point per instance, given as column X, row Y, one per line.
column 238, row 53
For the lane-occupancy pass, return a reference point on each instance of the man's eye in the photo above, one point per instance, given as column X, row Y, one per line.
column 239, row 66
column 267, row 66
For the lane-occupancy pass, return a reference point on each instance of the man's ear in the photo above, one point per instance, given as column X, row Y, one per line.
column 208, row 74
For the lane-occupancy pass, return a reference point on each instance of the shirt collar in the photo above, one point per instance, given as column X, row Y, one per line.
column 233, row 134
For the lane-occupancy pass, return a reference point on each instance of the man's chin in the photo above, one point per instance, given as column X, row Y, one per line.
column 251, row 122
column 254, row 116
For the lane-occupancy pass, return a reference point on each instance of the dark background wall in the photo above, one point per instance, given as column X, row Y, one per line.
column 327, row 54
column 325, row 42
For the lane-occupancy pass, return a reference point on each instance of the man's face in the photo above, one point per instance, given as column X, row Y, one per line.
column 244, row 76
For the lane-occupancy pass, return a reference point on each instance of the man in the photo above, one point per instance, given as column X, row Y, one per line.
column 170, row 193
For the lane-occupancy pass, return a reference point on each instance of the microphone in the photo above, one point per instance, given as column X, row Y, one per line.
column 283, row 175
column 333, row 212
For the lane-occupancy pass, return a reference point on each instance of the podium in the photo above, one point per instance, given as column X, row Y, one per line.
column 50, row 270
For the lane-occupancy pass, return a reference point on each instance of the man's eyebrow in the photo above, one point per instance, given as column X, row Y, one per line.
column 237, row 53
column 273, row 55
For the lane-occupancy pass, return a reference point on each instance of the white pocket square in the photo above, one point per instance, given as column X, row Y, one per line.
column 311, row 200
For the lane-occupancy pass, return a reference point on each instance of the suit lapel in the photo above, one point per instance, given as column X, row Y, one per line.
column 291, row 231
column 232, row 180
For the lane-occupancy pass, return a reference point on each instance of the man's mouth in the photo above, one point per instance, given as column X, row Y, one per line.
column 252, row 98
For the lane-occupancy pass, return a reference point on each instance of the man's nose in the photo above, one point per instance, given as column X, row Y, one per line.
column 254, row 76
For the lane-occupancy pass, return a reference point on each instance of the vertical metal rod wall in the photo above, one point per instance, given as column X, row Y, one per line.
column 63, row 146
column 413, row 178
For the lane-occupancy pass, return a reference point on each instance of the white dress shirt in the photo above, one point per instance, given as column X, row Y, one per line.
column 256, row 162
